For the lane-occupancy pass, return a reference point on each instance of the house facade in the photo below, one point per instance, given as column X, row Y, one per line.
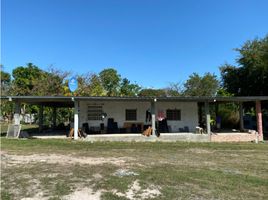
column 135, row 114
column 179, row 115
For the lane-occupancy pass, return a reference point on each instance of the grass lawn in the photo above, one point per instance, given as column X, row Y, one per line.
column 67, row 169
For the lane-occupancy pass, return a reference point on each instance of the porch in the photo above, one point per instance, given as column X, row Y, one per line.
column 226, row 136
column 183, row 115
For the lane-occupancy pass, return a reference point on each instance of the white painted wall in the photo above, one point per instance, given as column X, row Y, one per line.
column 116, row 110
column 189, row 114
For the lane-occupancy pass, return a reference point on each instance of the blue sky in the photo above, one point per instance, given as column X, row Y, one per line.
column 151, row 42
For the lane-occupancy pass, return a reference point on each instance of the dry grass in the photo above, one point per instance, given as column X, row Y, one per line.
column 64, row 169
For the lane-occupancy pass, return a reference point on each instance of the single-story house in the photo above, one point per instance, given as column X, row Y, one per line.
column 135, row 114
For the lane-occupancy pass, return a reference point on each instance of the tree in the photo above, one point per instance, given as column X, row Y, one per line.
column 6, row 106
column 5, row 82
column 129, row 89
column 31, row 80
column 5, row 78
column 152, row 93
column 173, row 90
column 83, row 85
column 96, row 88
column 25, row 79
column 201, row 86
column 250, row 78
column 230, row 78
column 50, row 83
column 89, row 85
column 110, row 81
column 223, row 93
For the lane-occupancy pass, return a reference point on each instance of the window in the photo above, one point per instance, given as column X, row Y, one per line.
column 94, row 112
column 131, row 114
column 174, row 114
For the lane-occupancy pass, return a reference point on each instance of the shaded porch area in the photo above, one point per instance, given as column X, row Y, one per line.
column 126, row 111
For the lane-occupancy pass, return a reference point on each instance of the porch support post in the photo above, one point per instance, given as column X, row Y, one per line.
column 41, row 117
column 17, row 113
column 54, row 117
column 207, row 118
column 153, row 116
column 76, row 122
column 259, row 120
column 241, row 114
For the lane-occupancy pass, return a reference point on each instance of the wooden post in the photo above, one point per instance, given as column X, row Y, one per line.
column 153, row 117
column 76, row 122
column 259, row 120
column 54, row 116
column 241, row 116
column 207, row 118
column 41, row 117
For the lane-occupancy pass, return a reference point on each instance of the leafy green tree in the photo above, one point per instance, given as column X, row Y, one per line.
column 83, row 85
column 250, row 78
column 25, row 79
column 231, row 78
column 201, row 86
column 111, row 81
column 31, row 80
column 152, row 93
column 5, row 77
column 5, row 82
column 128, row 89
column 223, row 93
column 89, row 85
column 96, row 88
column 50, row 83
column 6, row 110
column 6, row 106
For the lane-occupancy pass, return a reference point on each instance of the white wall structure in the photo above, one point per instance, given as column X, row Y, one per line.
column 116, row 110
column 189, row 114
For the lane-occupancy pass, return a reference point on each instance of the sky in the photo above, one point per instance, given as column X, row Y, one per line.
column 150, row 42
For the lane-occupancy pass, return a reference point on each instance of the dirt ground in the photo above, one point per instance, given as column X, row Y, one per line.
column 63, row 169
column 134, row 191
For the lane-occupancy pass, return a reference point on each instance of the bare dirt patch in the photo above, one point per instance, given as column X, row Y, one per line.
column 198, row 150
column 135, row 192
column 38, row 196
column 97, row 177
column 63, row 159
column 83, row 194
